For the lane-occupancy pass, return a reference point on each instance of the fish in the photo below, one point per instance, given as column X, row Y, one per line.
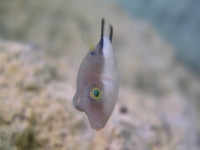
column 98, row 81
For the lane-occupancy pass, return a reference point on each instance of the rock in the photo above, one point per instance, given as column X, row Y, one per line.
column 44, row 117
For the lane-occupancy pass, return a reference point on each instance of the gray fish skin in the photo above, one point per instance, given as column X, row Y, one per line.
column 98, row 69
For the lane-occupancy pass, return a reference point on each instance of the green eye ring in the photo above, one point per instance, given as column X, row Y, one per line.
column 95, row 93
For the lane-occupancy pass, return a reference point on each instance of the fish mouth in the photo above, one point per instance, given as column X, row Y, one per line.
column 97, row 126
column 94, row 124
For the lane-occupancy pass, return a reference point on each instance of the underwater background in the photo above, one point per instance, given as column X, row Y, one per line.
column 156, row 44
column 178, row 21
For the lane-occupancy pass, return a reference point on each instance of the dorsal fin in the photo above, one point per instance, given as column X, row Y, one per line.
column 106, row 31
column 87, row 40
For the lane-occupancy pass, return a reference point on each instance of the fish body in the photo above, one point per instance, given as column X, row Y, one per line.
column 98, row 81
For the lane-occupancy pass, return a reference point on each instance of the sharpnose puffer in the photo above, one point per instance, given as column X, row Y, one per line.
column 98, row 81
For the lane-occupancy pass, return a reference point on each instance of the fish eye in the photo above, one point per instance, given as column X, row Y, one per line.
column 95, row 93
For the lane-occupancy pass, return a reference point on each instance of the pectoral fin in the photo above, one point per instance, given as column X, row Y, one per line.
column 77, row 103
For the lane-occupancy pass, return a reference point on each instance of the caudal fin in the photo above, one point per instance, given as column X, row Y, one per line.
column 106, row 30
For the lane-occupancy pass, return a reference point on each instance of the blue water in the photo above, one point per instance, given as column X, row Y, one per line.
column 177, row 20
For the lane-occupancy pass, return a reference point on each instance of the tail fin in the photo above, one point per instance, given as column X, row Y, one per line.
column 106, row 30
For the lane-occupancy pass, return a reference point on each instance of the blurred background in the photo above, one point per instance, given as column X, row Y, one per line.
column 178, row 21
column 156, row 44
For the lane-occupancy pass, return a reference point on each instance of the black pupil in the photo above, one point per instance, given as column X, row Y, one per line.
column 96, row 93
